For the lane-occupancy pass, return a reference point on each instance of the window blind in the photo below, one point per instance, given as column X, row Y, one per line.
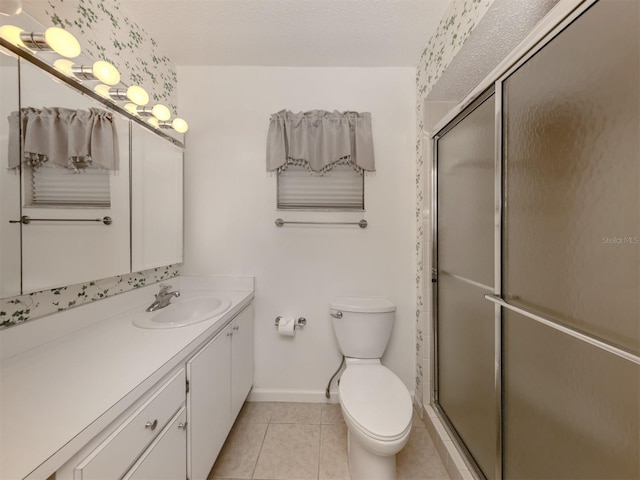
column 340, row 188
column 61, row 186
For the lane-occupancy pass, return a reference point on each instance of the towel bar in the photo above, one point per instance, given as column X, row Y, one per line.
column 362, row 223
column 26, row 220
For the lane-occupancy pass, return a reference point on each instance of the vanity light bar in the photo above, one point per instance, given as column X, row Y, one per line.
column 144, row 111
column 134, row 93
column 53, row 39
column 159, row 111
column 100, row 70
column 178, row 124
column 65, row 44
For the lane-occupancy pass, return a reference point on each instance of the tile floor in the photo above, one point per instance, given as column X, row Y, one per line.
column 308, row 441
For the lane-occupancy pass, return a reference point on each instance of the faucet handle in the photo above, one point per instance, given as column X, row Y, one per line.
column 164, row 288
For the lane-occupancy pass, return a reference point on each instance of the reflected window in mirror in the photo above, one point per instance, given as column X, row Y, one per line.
column 66, row 154
column 74, row 157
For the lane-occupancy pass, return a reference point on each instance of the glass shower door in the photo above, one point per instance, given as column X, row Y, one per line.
column 571, row 254
column 465, row 273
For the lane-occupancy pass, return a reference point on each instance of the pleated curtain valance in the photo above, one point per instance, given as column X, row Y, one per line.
column 320, row 140
column 74, row 139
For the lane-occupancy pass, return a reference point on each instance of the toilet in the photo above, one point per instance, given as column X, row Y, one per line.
column 375, row 403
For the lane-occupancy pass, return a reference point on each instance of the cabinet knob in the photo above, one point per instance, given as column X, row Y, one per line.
column 237, row 327
column 151, row 425
column 182, row 426
column 229, row 334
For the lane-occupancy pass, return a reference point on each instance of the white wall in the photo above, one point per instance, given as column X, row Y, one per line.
column 230, row 207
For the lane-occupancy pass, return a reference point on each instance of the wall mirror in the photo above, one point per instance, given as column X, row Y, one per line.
column 156, row 200
column 9, row 181
column 70, row 182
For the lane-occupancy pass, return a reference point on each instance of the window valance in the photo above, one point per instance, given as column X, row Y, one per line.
column 74, row 139
column 320, row 140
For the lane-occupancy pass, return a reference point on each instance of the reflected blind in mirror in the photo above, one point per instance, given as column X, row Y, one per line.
column 61, row 186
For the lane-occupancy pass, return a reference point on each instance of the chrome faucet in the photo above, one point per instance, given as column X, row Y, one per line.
column 163, row 297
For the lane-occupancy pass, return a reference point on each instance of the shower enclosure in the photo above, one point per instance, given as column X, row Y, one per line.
column 537, row 258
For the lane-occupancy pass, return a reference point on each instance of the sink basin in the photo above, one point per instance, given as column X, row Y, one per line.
column 183, row 312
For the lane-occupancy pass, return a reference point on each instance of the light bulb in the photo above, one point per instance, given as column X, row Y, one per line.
column 137, row 95
column 11, row 34
column 131, row 108
column 154, row 121
column 106, row 73
column 103, row 90
column 179, row 125
column 62, row 42
column 161, row 112
column 64, row 65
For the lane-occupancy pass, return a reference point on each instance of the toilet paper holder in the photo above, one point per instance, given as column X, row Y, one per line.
column 300, row 322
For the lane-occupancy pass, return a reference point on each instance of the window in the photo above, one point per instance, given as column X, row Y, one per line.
column 320, row 158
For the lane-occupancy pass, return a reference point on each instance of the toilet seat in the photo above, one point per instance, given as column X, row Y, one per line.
column 376, row 401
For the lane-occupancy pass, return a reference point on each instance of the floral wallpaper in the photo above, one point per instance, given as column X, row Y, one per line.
column 106, row 33
column 17, row 310
column 453, row 30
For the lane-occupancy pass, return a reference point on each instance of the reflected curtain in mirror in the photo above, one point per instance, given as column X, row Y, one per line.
column 74, row 139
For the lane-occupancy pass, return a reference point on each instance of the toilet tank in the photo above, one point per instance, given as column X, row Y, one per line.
column 362, row 325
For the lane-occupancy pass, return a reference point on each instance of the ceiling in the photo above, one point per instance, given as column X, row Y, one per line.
column 358, row 33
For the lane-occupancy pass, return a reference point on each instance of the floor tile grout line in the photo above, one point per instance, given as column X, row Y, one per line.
column 255, row 465
column 319, row 451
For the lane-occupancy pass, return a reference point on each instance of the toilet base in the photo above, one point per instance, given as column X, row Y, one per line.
column 365, row 465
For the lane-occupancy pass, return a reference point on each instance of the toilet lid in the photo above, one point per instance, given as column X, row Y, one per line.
column 362, row 304
column 376, row 399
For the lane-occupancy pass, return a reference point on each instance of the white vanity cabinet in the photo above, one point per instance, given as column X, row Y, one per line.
column 176, row 430
column 115, row 455
column 165, row 459
column 241, row 359
column 208, row 407
column 227, row 360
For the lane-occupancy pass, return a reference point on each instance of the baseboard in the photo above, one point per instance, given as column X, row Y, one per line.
column 291, row 395
column 286, row 395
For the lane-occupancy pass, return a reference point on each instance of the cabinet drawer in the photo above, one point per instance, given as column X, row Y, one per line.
column 116, row 454
column 166, row 458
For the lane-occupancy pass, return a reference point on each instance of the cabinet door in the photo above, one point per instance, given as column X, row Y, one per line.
column 208, row 404
column 156, row 200
column 241, row 359
column 166, row 457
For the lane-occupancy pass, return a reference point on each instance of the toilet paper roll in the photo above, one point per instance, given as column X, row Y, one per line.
column 286, row 327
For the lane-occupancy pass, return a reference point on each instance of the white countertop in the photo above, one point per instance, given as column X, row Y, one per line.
column 58, row 395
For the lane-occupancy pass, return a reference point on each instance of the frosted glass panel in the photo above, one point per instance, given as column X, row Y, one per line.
column 466, row 196
column 572, row 148
column 571, row 410
column 466, row 367
column 466, row 392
